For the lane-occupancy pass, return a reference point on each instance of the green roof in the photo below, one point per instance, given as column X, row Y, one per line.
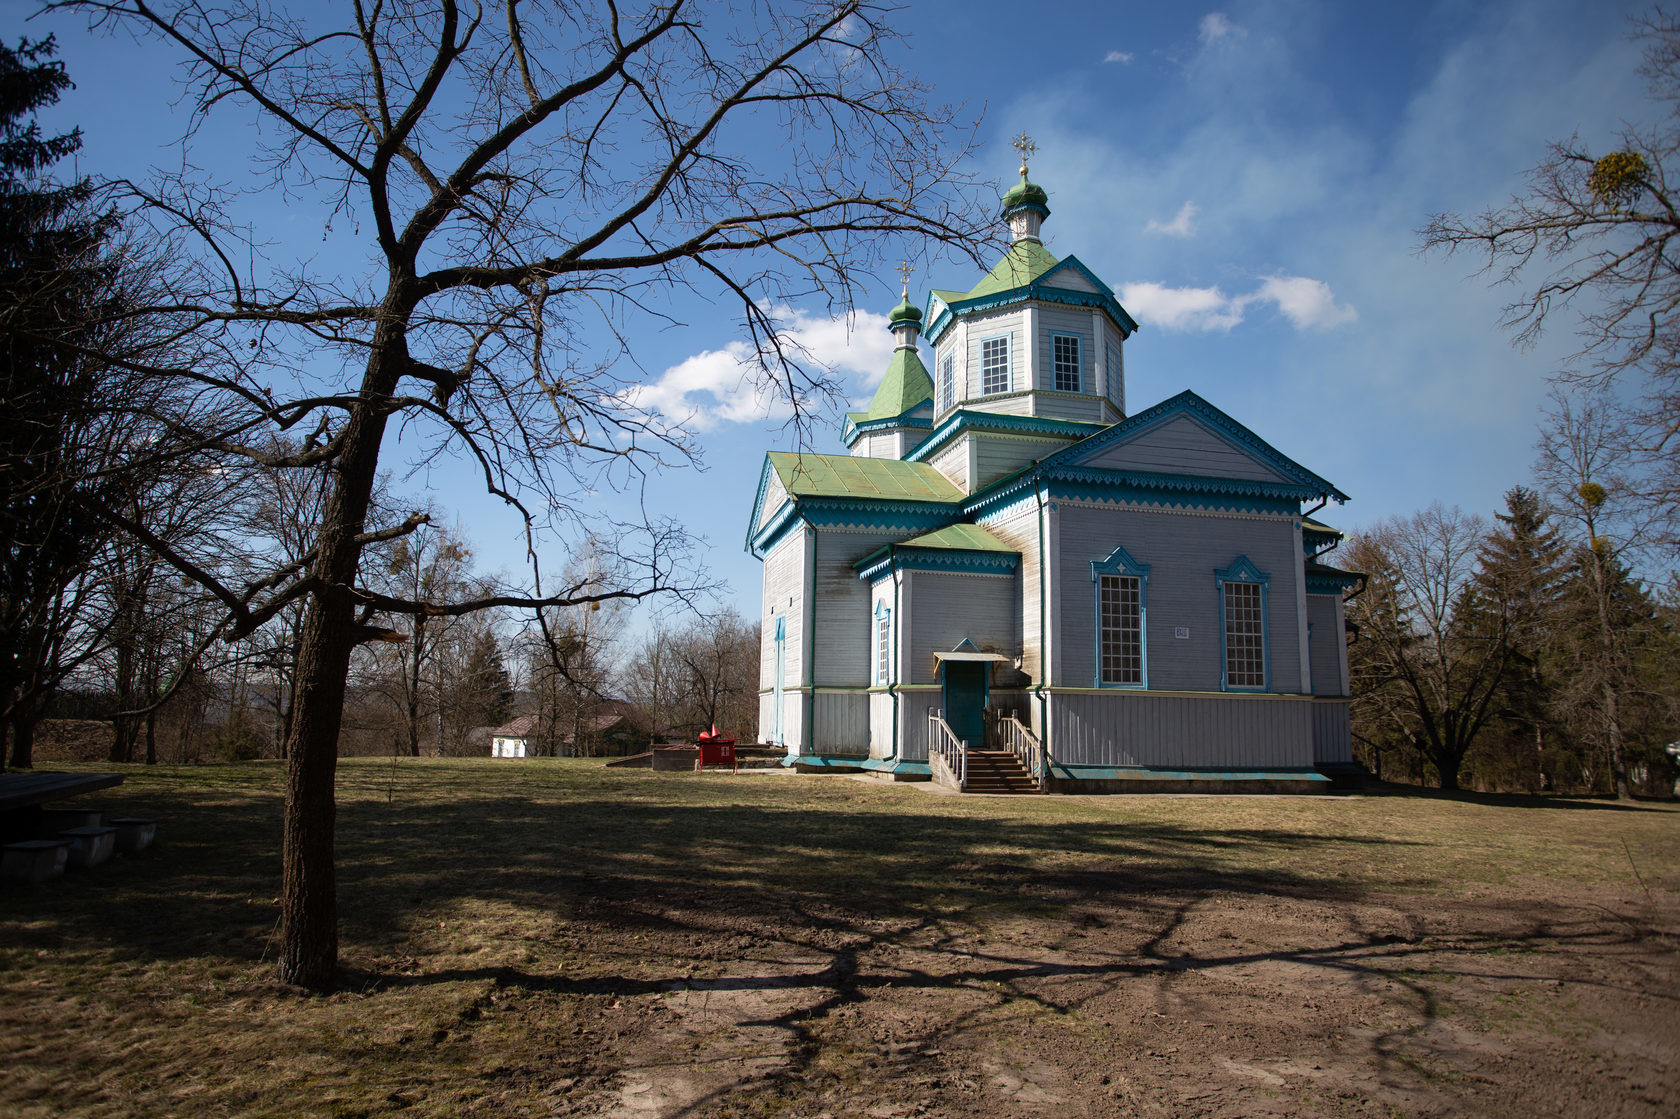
column 884, row 479
column 1025, row 193
column 960, row 538
column 906, row 311
column 1025, row 262
column 905, row 385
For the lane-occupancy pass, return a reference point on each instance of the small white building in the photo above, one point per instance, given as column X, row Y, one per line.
column 512, row 740
column 1007, row 548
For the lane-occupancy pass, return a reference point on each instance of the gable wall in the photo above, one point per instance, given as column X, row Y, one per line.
column 775, row 494
column 1183, row 446
column 1183, row 550
column 946, row 607
column 1069, row 279
column 784, row 580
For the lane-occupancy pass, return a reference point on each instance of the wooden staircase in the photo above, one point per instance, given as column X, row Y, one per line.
column 997, row 771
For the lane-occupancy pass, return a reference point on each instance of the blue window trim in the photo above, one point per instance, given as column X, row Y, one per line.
column 1078, row 362
column 882, row 673
column 947, row 381
column 1242, row 570
column 1008, row 361
column 779, row 692
column 1114, row 376
column 1120, row 562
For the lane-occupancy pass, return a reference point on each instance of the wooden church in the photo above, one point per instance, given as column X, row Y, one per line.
column 1012, row 582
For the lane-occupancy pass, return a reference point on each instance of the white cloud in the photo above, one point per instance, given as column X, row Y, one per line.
column 1305, row 302
column 1181, row 308
column 1123, row 57
column 1217, row 25
column 1308, row 304
column 730, row 385
column 1183, row 225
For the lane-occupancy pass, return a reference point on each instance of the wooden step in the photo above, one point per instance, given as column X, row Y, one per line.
column 998, row 771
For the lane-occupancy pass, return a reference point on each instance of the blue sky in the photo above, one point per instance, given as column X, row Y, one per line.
column 1249, row 177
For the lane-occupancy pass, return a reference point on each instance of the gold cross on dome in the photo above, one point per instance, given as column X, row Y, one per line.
column 1023, row 144
column 904, row 273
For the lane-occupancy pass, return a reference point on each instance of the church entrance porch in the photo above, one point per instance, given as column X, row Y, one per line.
column 963, row 693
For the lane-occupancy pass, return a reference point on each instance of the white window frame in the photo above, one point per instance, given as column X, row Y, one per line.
column 1077, row 372
column 1008, row 341
column 947, row 380
column 1115, row 573
column 1243, row 637
column 883, row 644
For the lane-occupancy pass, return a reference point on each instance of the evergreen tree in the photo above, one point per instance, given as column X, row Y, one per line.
column 1521, row 575
column 56, row 282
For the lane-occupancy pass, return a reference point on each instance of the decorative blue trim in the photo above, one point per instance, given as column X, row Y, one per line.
column 1323, row 583
column 1120, row 562
column 1037, row 291
column 1188, row 403
column 1242, row 570
column 951, row 561
column 1137, row 486
column 855, row 431
column 964, row 419
column 758, row 506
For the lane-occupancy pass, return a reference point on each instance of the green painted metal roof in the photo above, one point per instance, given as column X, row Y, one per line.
column 960, row 538
column 1319, row 526
column 1025, row 262
column 905, row 385
column 884, row 479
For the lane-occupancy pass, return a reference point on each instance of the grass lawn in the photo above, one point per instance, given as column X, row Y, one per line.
column 550, row 937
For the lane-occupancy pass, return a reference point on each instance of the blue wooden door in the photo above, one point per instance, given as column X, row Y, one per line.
column 965, row 700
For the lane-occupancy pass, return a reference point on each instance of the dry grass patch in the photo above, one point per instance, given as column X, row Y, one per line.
column 553, row 937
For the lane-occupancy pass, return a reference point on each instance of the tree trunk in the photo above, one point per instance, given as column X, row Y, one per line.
column 151, row 737
column 23, row 740
column 308, row 890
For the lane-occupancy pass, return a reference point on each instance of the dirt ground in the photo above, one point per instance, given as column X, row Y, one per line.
column 1525, row 1001
column 560, row 939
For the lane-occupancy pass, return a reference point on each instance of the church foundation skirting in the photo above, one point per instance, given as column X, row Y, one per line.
column 1097, row 779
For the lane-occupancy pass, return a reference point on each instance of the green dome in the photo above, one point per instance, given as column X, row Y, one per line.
column 1026, row 193
column 905, row 312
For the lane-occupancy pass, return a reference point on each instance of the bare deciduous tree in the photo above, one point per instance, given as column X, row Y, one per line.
column 513, row 174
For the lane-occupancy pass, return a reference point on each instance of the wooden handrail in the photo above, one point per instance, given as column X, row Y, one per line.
column 946, row 752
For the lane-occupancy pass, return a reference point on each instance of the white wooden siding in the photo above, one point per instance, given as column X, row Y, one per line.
column 1020, row 531
column 1183, row 551
column 775, row 494
column 980, row 327
column 842, row 724
column 952, row 461
column 997, row 455
column 1071, row 280
column 985, row 609
column 1184, row 446
column 1053, row 320
column 1120, row 728
column 1063, row 406
column 1326, row 644
column 844, row 611
column 784, row 578
column 1332, row 733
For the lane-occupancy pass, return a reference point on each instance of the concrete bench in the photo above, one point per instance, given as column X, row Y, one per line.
column 54, row 821
column 34, row 860
column 134, row 834
column 90, row 846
